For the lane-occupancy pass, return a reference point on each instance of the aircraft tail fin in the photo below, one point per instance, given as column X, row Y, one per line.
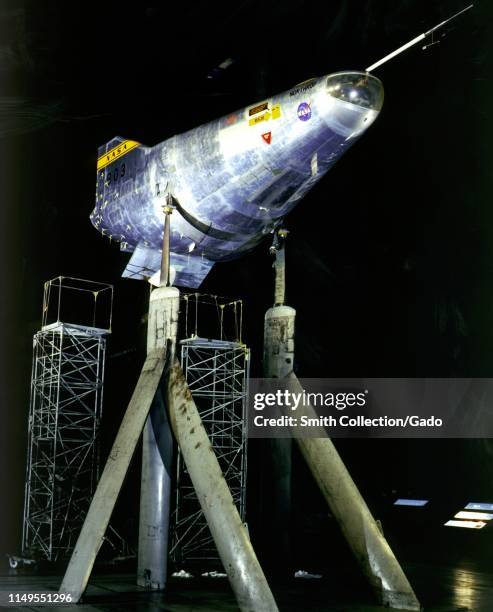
column 119, row 162
column 115, row 153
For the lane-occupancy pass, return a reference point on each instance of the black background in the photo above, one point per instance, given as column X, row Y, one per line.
column 390, row 257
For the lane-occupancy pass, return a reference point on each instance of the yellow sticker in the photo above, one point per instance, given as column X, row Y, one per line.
column 275, row 113
column 259, row 119
column 116, row 152
column 258, row 109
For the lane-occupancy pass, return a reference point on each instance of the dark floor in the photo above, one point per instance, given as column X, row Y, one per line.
column 441, row 589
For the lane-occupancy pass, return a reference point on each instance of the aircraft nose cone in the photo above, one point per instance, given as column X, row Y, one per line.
column 358, row 88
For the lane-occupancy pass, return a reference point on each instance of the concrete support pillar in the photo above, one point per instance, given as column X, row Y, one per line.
column 157, row 451
column 278, row 341
column 346, row 503
column 163, row 316
column 278, row 363
column 230, row 535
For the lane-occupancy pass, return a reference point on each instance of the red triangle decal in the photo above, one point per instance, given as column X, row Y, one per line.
column 267, row 137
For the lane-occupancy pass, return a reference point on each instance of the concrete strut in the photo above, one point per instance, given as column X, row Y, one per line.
column 157, row 451
column 230, row 535
column 359, row 527
column 92, row 533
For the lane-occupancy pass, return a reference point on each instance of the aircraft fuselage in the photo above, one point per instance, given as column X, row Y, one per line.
column 234, row 179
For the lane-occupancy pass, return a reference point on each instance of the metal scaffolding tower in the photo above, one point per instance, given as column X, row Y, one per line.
column 217, row 373
column 64, row 415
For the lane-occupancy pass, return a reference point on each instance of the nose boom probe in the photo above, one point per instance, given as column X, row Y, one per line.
column 415, row 40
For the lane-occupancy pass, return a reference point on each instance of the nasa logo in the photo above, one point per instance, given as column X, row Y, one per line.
column 304, row 111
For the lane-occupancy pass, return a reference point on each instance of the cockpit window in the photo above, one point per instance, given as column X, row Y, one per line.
column 358, row 88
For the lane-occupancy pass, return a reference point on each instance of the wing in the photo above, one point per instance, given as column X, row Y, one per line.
column 186, row 270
